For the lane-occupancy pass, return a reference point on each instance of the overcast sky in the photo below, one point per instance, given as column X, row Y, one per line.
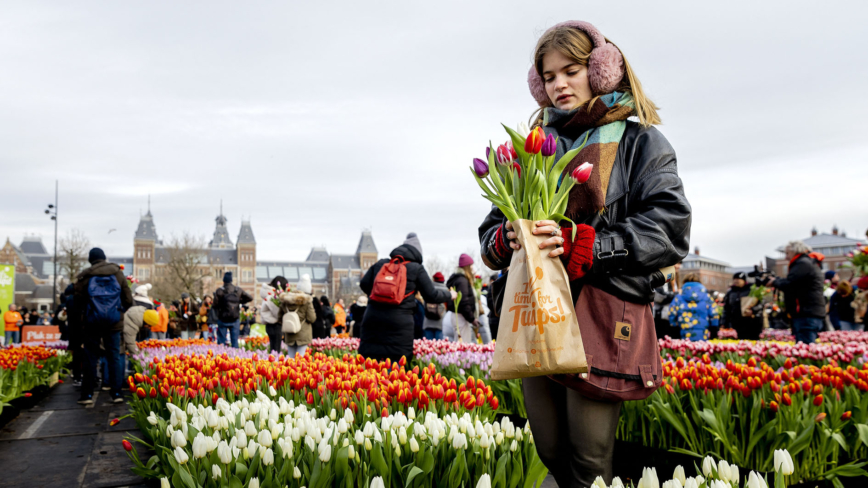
column 319, row 119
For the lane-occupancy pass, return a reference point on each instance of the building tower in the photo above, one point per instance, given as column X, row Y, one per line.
column 145, row 246
column 246, row 246
column 366, row 251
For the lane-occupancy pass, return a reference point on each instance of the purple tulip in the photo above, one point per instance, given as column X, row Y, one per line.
column 480, row 167
column 487, row 152
column 549, row 146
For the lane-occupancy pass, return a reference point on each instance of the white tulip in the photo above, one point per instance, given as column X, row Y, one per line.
column 215, row 472
column 368, row 430
column 181, row 456
column 169, row 430
column 351, row 454
column 359, row 437
column 264, row 438
column 734, row 474
column 254, row 482
column 485, row 482
column 784, row 462
column 459, row 441
column 708, row 466
column 690, row 483
column 152, row 419
column 723, row 470
column 599, row 483
column 326, row 454
column 191, row 409
column 484, row 441
column 402, row 436
column 700, row 479
column 435, row 438
column 268, row 457
column 333, row 414
column 679, row 474
column 414, row 446
column 377, row 436
column 296, row 473
column 673, row 483
column 498, row 438
column 178, row 439
column 753, row 481
column 224, row 452
column 199, row 446
column 241, row 438
column 513, row 446
column 164, row 483
column 523, row 130
column 411, row 414
column 368, row 445
column 649, row 478
column 309, row 442
column 250, row 429
column 617, row 483
column 377, row 482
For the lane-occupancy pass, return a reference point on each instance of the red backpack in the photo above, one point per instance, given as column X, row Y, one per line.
column 390, row 284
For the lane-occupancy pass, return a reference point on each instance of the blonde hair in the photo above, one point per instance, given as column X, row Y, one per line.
column 577, row 46
column 468, row 273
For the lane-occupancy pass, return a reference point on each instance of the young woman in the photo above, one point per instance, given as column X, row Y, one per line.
column 270, row 313
column 300, row 302
column 633, row 220
column 204, row 311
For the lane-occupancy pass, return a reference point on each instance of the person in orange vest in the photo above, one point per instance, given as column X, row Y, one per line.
column 13, row 321
column 340, row 317
column 159, row 330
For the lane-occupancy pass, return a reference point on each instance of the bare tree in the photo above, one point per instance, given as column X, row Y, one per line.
column 72, row 253
column 183, row 270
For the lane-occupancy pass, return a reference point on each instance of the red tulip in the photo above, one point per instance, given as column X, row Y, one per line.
column 582, row 174
column 820, row 417
column 774, row 406
column 28, row 395
column 114, row 422
column 127, row 446
column 534, row 141
column 517, row 168
column 818, row 400
column 846, row 415
column 140, row 392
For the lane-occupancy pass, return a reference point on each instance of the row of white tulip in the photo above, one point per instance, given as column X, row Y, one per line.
column 275, row 443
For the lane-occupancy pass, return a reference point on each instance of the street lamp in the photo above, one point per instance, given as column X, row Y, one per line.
column 52, row 211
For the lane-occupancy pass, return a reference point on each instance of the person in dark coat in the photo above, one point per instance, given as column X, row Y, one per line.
column 328, row 317
column 110, row 335
column 803, row 292
column 357, row 313
column 493, row 318
column 842, row 303
column 227, row 301
column 388, row 330
column 747, row 327
column 467, row 315
column 318, row 328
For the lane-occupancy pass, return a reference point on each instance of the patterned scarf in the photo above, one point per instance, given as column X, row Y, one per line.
column 605, row 123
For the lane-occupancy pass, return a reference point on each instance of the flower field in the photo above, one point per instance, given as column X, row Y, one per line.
column 23, row 368
column 344, row 420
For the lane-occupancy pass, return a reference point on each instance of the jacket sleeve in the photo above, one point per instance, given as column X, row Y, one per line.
column 674, row 309
column 655, row 232
column 797, row 274
column 245, row 297
column 367, row 283
column 430, row 293
column 131, row 329
column 724, row 316
column 126, row 293
column 494, row 246
column 467, row 306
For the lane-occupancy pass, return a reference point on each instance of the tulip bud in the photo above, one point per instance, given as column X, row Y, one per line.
column 522, row 129
column 723, row 470
column 783, row 462
column 480, row 167
column 164, row 483
column 534, row 141
column 846, row 415
column 127, row 446
column 599, row 483
column 582, row 173
column 296, row 473
column 351, row 453
column 708, row 466
column 178, row 439
column 254, row 482
column 268, row 457
column 368, row 445
column 485, row 481
column 216, row 473
column 181, row 456
column 617, row 483
column 549, row 146
column 377, row 482
column 679, row 474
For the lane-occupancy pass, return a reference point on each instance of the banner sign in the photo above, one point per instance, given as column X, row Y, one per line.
column 7, row 290
column 39, row 333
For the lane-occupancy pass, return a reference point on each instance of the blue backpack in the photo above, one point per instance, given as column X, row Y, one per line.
column 104, row 301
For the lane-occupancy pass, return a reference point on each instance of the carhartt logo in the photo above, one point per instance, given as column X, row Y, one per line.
column 622, row 331
column 390, row 278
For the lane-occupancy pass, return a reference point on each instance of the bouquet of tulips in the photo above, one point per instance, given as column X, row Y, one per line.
column 523, row 180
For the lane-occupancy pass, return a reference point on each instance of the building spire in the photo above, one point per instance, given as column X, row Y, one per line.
column 149, row 203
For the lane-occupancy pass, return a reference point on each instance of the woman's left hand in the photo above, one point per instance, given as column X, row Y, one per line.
column 550, row 227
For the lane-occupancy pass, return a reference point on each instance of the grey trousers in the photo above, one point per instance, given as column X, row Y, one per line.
column 574, row 435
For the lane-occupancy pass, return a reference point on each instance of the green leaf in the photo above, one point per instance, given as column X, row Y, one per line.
column 152, row 462
column 234, row 482
column 188, row 480
column 378, row 461
column 535, row 474
column 414, row 472
column 862, row 429
column 241, row 470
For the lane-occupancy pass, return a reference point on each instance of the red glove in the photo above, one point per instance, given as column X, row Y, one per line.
column 578, row 256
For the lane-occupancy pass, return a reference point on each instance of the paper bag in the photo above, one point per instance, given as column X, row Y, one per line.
column 539, row 334
column 747, row 303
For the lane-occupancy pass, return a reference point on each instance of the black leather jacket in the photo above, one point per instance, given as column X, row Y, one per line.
column 645, row 226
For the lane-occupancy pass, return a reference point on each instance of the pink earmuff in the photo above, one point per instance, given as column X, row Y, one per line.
column 605, row 66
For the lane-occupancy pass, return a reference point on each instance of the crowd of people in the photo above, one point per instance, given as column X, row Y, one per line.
column 813, row 300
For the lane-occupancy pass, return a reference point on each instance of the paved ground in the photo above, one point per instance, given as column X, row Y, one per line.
column 61, row 444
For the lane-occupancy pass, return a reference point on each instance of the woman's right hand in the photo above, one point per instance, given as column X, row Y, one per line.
column 454, row 294
column 542, row 227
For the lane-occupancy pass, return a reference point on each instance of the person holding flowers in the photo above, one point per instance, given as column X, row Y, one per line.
column 632, row 218
column 300, row 303
column 467, row 311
